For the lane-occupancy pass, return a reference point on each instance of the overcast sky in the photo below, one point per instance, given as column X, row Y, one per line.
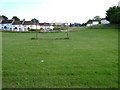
column 56, row 10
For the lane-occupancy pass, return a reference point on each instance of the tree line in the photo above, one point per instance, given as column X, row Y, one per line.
column 113, row 15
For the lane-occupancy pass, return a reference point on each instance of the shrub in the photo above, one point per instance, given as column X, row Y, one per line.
column 32, row 30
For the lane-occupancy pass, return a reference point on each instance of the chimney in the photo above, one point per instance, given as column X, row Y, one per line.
column 1, row 20
column 13, row 21
column 23, row 21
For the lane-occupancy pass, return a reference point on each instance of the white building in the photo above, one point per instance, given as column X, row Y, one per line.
column 6, row 24
column 17, row 26
column 12, row 25
column 27, row 25
column 104, row 21
column 92, row 22
column 96, row 22
column 46, row 27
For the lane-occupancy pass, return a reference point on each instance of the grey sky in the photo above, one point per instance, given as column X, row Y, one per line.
column 56, row 10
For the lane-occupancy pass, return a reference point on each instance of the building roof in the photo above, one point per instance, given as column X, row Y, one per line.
column 6, row 21
column 44, row 24
column 28, row 23
column 23, row 22
column 17, row 22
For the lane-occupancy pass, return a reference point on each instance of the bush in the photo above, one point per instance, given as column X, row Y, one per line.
column 32, row 30
column 57, row 29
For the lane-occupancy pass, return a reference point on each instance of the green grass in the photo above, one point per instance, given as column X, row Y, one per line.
column 88, row 59
column 107, row 26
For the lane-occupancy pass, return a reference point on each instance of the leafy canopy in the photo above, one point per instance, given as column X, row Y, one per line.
column 113, row 15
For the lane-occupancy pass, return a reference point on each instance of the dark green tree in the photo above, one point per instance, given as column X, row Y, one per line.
column 34, row 20
column 97, row 18
column 113, row 15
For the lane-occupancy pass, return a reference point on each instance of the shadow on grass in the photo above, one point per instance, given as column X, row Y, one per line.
column 63, row 38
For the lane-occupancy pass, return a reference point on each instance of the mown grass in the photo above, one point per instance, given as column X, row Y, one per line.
column 106, row 26
column 88, row 59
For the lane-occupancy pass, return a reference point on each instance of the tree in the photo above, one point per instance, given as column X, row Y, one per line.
column 3, row 17
column 113, row 15
column 15, row 18
column 97, row 18
column 118, row 17
column 34, row 20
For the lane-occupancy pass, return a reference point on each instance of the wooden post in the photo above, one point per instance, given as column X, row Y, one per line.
column 67, row 30
column 36, row 31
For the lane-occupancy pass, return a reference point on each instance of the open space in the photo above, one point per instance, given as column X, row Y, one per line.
column 89, row 59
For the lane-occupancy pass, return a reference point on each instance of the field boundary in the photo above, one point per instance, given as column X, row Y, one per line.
column 0, row 60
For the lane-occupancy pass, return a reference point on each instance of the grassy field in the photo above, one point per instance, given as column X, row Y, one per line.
column 89, row 59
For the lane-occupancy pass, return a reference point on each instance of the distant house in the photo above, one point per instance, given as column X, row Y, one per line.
column 17, row 26
column 12, row 25
column 92, row 22
column 29, row 25
column 104, row 21
column 45, row 27
column 6, row 24
column 96, row 22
